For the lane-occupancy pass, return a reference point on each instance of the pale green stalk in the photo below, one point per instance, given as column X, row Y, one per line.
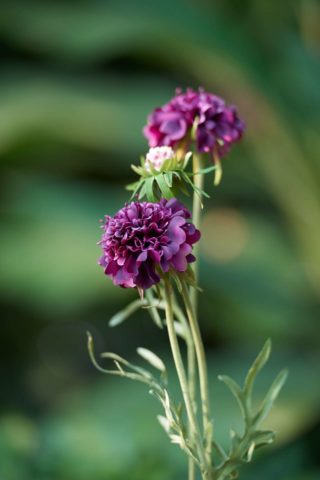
column 198, row 180
column 202, row 369
column 182, row 375
column 191, row 376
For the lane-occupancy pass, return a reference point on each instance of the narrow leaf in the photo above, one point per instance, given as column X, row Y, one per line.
column 180, row 330
column 137, row 170
column 168, row 176
column 152, row 358
column 255, row 368
column 271, row 396
column 149, row 189
column 116, row 358
column 126, row 312
column 205, row 170
column 164, row 422
column 153, row 309
column 143, row 190
column 263, row 437
column 165, row 190
column 250, row 451
column 235, row 390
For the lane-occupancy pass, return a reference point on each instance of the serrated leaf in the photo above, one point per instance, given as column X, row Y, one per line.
column 271, row 396
column 152, row 358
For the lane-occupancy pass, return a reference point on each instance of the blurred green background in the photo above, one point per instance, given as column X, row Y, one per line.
column 77, row 81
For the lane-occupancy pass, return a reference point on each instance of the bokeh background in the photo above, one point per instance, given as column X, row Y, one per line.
column 77, row 81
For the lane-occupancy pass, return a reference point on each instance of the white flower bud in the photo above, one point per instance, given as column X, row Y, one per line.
column 157, row 155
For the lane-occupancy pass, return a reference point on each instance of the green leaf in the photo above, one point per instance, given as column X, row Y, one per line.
column 120, row 360
column 168, row 176
column 205, row 170
column 165, row 190
column 153, row 311
column 138, row 170
column 149, row 189
column 136, row 189
column 271, row 396
column 235, row 439
column 131, row 186
column 152, row 358
column 235, row 390
column 255, row 368
column 263, row 437
column 142, row 190
column 126, row 312
column 249, row 453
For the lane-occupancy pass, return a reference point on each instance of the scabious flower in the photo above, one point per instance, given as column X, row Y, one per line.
column 157, row 155
column 217, row 124
column 144, row 239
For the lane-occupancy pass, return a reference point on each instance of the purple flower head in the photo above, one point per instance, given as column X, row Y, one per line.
column 218, row 125
column 143, row 236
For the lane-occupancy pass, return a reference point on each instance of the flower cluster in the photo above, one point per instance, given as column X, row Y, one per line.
column 144, row 239
column 217, row 124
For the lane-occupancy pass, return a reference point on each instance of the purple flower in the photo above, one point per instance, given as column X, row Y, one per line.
column 143, row 239
column 218, row 124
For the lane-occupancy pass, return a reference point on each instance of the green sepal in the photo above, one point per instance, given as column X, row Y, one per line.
column 168, row 182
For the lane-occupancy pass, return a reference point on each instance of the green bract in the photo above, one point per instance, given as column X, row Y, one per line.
column 167, row 182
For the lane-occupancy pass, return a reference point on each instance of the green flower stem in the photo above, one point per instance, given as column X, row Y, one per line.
column 190, row 351
column 203, row 373
column 191, row 374
column 181, row 373
column 196, row 219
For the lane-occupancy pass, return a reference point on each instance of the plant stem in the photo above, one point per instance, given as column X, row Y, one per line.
column 202, row 368
column 196, row 218
column 190, row 351
column 191, row 374
column 181, row 371
column 198, row 180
